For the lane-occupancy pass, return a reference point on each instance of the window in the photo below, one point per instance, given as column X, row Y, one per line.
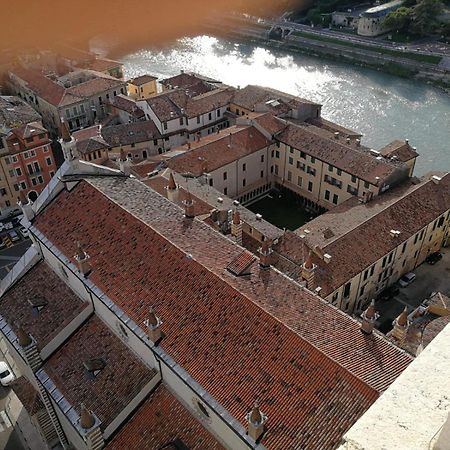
column 12, row 173
column 303, row 155
column 218, row 113
column 390, row 257
column 3, row 191
column 361, row 291
column 299, row 181
column 311, row 171
column 276, row 169
column 18, row 171
column 339, row 171
column 7, row 203
column 144, row 154
column 291, row 161
column 310, row 186
column 211, row 182
column 291, row 150
column 330, row 168
column 404, row 248
column 7, row 160
column 313, row 160
column 209, row 116
column 327, row 195
column 421, row 234
column 30, row 169
column 225, row 191
column 353, row 179
column 384, row 261
column 16, row 187
column 244, row 182
column 262, row 173
column 26, row 155
column 48, row 161
column 352, row 190
column 181, row 120
column 347, row 289
column 289, row 176
column 335, row 297
column 415, row 238
column 366, row 184
column 14, row 159
column 52, row 173
column 335, row 199
column 366, row 274
column 262, row 158
column 165, row 125
column 271, row 169
column 34, row 181
column 441, row 221
column 37, row 167
column 225, row 175
column 244, row 167
column 32, row 153
column 273, row 153
column 23, row 185
column 277, row 154
column 40, row 179
column 372, row 270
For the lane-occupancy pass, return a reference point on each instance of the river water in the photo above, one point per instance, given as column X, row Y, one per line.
column 380, row 106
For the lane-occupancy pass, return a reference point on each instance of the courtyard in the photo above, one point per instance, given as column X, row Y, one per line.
column 282, row 211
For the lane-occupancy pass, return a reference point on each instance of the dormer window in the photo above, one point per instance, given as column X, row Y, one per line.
column 37, row 304
column 94, row 366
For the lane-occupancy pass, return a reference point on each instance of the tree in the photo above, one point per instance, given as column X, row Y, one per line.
column 399, row 19
column 424, row 17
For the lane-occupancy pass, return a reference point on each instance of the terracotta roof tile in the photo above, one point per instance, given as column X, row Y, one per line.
column 218, row 150
column 130, row 133
column 280, row 367
column 400, row 150
column 114, row 387
column 55, row 305
column 160, row 420
column 142, row 79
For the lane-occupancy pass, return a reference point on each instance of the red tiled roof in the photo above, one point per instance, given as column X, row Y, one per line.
column 130, row 133
column 142, row 79
column 243, row 353
column 28, row 395
column 400, row 150
column 269, row 122
column 350, row 159
column 215, row 150
column 160, row 420
column 122, row 378
column 40, row 285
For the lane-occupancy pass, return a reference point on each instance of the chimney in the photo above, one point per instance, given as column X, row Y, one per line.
column 68, row 143
column 26, row 206
column 369, row 317
column 401, row 324
column 82, row 259
column 265, row 253
column 308, row 271
column 90, row 429
column 124, row 163
column 230, row 138
column 153, row 324
column 348, row 141
column 236, row 227
column 358, row 142
column 189, row 206
column 172, row 190
column 29, row 348
column 256, row 420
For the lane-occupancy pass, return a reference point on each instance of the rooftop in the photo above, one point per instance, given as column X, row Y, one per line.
column 306, row 366
column 15, row 112
column 400, row 150
column 160, row 420
column 345, row 157
column 41, row 303
column 218, row 150
column 142, row 79
column 130, row 133
column 108, row 392
column 128, row 105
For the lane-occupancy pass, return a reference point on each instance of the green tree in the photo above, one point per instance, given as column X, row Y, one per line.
column 424, row 17
column 399, row 19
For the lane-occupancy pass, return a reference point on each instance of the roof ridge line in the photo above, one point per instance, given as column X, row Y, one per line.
column 260, row 307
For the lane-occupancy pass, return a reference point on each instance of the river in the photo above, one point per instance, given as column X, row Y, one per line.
column 380, row 106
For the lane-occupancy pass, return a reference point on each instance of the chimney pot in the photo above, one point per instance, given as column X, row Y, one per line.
column 189, row 206
column 153, row 324
column 369, row 317
column 256, row 420
column 87, row 420
column 23, row 338
column 265, row 253
column 82, row 259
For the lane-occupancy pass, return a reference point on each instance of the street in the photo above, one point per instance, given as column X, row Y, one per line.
column 9, row 438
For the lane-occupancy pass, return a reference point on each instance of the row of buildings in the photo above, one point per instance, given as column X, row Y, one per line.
column 155, row 310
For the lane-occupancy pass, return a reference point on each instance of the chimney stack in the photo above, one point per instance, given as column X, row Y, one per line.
column 26, row 206
column 401, row 324
column 369, row 317
column 68, row 143
column 308, row 271
column 82, row 259
column 87, row 420
column 172, row 189
column 90, row 429
column 189, row 206
column 153, row 324
column 256, row 420
column 124, row 163
column 236, row 227
column 265, row 253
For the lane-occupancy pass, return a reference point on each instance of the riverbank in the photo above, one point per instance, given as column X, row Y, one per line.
column 405, row 64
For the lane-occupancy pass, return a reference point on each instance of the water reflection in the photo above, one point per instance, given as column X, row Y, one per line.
column 380, row 106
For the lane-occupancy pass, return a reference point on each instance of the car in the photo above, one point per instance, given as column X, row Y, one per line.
column 389, row 293
column 407, row 279
column 433, row 258
column 8, row 226
column 6, row 374
column 23, row 232
column 14, row 236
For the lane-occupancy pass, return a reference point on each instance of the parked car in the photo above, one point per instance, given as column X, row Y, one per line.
column 14, row 236
column 434, row 258
column 407, row 279
column 6, row 375
column 8, row 226
column 23, row 232
column 389, row 293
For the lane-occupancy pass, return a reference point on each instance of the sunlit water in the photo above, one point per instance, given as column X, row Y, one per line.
column 380, row 106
